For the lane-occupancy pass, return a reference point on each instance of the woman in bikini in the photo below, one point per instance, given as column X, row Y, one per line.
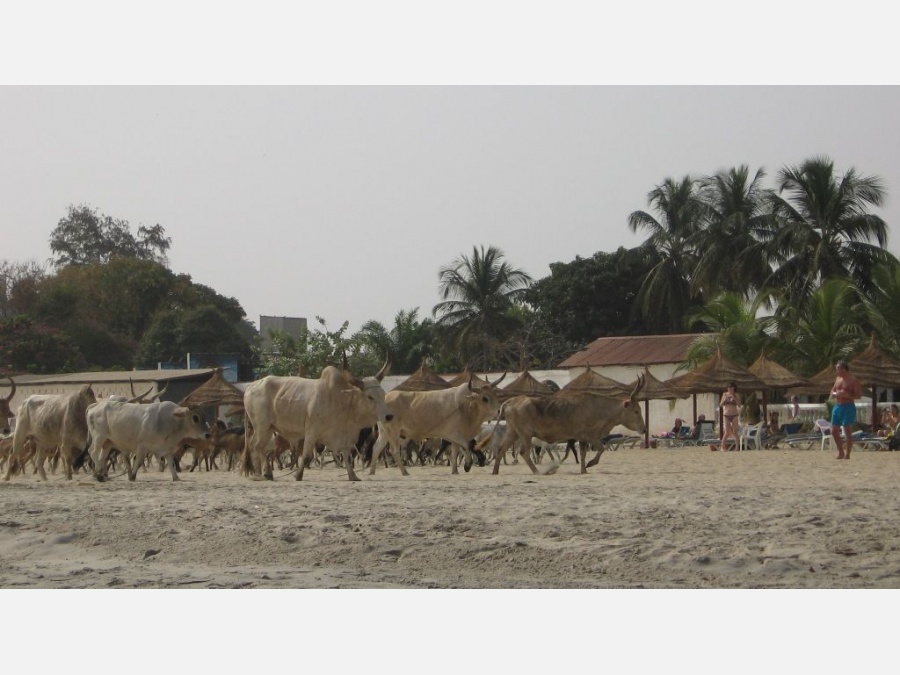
column 731, row 408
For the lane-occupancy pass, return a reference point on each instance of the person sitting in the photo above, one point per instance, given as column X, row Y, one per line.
column 889, row 421
column 697, row 431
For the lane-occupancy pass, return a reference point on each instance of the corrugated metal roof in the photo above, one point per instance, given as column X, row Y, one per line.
column 632, row 350
column 119, row 376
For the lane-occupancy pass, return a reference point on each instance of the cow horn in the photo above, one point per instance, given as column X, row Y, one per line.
column 160, row 393
column 384, row 369
column 12, row 391
column 641, row 380
column 502, row 377
column 139, row 399
column 131, row 384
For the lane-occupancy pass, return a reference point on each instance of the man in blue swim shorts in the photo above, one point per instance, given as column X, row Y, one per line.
column 845, row 391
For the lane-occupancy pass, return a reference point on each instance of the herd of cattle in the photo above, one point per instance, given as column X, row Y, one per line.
column 301, row 417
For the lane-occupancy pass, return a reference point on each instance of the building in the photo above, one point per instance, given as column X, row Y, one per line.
column 293, row 326
column 623, row 358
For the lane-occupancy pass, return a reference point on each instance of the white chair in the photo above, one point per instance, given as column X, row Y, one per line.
column 751, row 435
column 824, row 427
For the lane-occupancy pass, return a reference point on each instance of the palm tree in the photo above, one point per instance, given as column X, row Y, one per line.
column 477, row 293
column 665, row 297
column 407, row 342
column 822, row 228
column 828, row 327
column 881, row 305
column 733, row 326
column 731, row 257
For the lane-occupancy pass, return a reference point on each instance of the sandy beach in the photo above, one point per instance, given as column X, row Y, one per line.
column 654, row 518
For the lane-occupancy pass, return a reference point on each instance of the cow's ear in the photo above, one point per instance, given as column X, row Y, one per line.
column 627, row 403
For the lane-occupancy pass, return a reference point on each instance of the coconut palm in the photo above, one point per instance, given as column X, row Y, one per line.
column 665, row 297
column 881, row 305
column 827, row 327
column 731, row 257
column 822, row 228
column 477, row 292
column 731, row 325
column 407, row 342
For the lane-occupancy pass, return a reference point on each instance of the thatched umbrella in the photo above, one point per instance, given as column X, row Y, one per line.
column 423, row 380
column 775, row 376
column 215, row 392
column 875, row 368
column 525, row 384
column 655, row 390
column 591, row 380
column 713, row 377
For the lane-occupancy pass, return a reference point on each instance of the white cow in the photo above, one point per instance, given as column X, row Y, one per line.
column 52, row 421
column 328, row 411
column 454, row 415
column 138, row 429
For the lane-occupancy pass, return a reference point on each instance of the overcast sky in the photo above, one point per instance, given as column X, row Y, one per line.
column 345, row 201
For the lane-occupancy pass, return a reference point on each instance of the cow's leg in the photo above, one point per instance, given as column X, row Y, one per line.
column 100, row 458
column 39, row 457
column 601, row 446
column 173, row 467
column 508, row 439
column 525, row 451
column 347, row 453
column 307, row 445
column 139, row 456
column 377, row 449
column 397, row 452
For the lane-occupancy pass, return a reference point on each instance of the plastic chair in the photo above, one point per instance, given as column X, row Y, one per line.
column 824, row 427
column 751, row 434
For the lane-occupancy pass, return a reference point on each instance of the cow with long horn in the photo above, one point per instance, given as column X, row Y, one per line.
column 583, row 416
column 326, row 411
column 454, row 415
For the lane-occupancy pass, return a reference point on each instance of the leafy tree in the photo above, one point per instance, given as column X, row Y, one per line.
column 407, row 342
column 666, row 297
column 593, row 297
column 315, row 349
column 822, row 228
column 18, row 287
column 825, row 328
column 477, row 291
column 29, row 346
column 730, row 255
column 85, row 236
column 880, row 303
column 733, row 325
column 175, row 332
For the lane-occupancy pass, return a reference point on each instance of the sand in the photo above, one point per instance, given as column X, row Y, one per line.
column 681, row 518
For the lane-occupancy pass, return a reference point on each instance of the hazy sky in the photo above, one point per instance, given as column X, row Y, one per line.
column 344, row 202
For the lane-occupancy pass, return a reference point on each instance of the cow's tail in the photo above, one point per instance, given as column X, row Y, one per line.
column 246, row 456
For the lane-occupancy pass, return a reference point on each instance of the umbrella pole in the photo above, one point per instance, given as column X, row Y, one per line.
column 765, row 418
column 646, row 423
column 874, row 407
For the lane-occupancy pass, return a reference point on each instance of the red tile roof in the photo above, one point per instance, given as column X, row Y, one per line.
column 632, row 350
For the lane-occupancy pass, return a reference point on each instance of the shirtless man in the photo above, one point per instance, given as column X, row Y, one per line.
column 845, row 391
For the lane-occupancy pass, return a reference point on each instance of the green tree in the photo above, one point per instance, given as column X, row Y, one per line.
column 407, row 342
column 593, row 297
column 730, row 254
column 880, row 303
column 85, row 236
column 826, row 327
column 175, row 332
column 732, row 325
column 822, row 228
column 477, row 291
column 30, row 346
column 666, row 297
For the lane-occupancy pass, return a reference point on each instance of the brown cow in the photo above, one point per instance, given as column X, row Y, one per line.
column 584, row 416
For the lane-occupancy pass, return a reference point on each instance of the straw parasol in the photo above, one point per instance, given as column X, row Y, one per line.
column 775, row 376
column 875, row 368
column 654, row 390
column 214, row 392
column 423, row 380
column 525, row 384
column 713, row 376
column 591, row 380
